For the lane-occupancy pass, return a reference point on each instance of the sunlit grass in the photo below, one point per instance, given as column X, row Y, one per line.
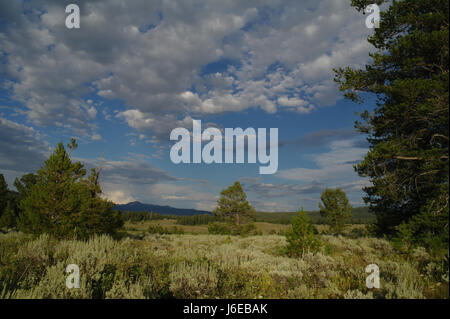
column 213, row 266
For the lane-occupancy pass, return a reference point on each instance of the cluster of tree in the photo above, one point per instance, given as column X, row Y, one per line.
column 8, row 204
column 234, row 215
column 164, row 231
column 199, row 219
column 10, row 199
column 135, row 217
column 408, row 131
column 359, row 215
column 59, row 200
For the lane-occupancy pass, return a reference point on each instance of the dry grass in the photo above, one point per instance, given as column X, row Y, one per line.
column 141, row 227
column 213, row 266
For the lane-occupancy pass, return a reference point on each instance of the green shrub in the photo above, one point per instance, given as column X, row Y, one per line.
column 217, row 228
column 358, row 232
column 164, row 231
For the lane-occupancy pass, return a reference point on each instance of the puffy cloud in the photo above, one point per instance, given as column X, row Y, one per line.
column 137, row 119
column 302, row 186
column 133, row 178
column 130, row 171
column 170, row 61
column 118, row 197
column 21, row 147
column 152, row 55
column 333, row 167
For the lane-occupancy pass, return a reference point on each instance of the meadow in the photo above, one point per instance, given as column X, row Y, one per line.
column 201, row 265
column 169, row 225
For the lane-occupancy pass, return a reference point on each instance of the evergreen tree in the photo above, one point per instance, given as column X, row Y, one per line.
column 301, row 237
column 8, row 218
column 96, row 214
column 3, row 193
column 233, row 206
column 65, row 204
column 24, row 185
column 336, row 208
column 8, row 205
column 408, row 131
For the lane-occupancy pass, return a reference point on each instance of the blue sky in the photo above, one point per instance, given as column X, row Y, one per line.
column 135, row 70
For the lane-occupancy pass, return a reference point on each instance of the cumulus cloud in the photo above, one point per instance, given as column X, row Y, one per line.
column 132, row 178
column 21, row 147
column 333, row 167
column 130, row 172
column 152, row 55
column 302, row 186
column 118, row 196
column 166, row 62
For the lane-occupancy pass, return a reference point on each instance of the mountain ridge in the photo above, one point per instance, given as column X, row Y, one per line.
column 137, row 206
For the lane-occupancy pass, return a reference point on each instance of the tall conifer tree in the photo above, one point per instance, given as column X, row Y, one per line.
column 408, row 130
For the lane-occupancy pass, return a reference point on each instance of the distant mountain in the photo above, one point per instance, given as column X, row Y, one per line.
column 166, row 210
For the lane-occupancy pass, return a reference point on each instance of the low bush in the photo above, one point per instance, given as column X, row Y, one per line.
column 207, row 266
column 163, row 230
column 218, row 228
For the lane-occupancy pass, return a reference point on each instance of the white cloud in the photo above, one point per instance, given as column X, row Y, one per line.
column 118, row 197
column 182, row 196
column 21, row 147
column 333, row 167
column 96, row 137
column 152, row 56
column 284, row 55
column 137, row 119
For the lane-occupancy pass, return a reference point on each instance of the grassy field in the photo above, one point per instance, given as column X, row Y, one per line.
column 360, row 215
column 171, row 224
column 164, row 258
column 213, row 266
column 262, row 228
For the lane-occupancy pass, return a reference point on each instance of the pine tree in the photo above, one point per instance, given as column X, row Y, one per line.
column 336, row 208
column 8, row 218
column 96, row 214
column 65, row 204
column 24, row 184
column 301, row 237
column 408, row 131
column 3, row 193
column 233, row 206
